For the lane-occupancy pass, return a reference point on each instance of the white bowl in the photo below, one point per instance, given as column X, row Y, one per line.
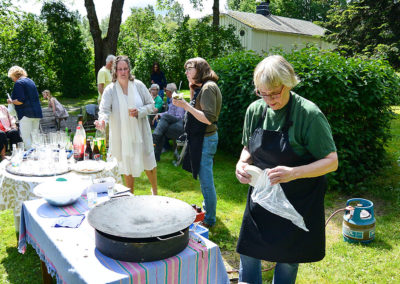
column 60, row 191
column 255, row 172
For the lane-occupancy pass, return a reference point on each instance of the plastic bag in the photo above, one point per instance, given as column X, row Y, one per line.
column 273, row 199
column 11, row 110
column 11, row 107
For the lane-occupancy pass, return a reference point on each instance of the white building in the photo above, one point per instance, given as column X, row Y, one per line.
column 261, row 33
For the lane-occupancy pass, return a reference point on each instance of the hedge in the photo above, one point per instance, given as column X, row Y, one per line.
column 354, row 94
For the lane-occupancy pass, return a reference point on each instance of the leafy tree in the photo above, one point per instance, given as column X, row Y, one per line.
column 175, row 12
column 23, row 42
column 367, row 27
column 197, row 4
column 140, row 24
column 310, row 10
column 69, row 55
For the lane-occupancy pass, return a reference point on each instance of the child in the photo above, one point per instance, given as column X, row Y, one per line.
column 59, row 111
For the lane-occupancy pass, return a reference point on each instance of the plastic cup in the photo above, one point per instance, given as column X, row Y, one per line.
column 92, row 198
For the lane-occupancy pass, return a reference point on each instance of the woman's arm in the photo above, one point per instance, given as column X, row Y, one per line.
column 52, row 105
column 198, row 114
column 244, row 160
column 15, row 102
column 282, row 174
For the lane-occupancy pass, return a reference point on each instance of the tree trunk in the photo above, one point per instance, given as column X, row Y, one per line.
column 107, row 45
column 216, row 13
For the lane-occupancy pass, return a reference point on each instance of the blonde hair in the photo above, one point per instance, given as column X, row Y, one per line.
column 274, row 71
column 17, row 72
column 48, row 93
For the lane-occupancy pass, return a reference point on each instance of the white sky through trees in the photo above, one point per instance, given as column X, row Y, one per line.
column 103, row 7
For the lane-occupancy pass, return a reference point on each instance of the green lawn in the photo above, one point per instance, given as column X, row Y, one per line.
column 378, row 262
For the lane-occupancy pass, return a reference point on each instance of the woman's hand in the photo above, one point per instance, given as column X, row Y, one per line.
column 180, row 103
column 155, row 119
column 241, row 174
column 133, row 112
column 281, row 174
column 100, row 124
column 9, row 101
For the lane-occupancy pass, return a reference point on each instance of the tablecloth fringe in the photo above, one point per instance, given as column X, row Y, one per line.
column 50, row 268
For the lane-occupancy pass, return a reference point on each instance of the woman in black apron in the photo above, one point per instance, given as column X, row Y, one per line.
column 290, row 136
column 201, row 129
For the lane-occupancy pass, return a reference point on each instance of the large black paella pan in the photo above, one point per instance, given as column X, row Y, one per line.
column 141, row 228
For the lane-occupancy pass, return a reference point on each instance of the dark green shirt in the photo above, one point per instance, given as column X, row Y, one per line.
column 310, row 135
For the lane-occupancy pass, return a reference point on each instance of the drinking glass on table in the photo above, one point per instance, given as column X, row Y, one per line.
column 20, row 146
column 91, row 193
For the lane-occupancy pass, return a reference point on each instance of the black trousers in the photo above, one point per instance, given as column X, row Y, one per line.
column 12, row 135
column 169, row 127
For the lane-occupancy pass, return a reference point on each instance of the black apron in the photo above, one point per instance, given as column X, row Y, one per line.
column 267, row 236
column 195, row 135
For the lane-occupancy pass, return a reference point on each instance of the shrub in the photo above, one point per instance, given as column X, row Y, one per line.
column 354, row 94
column 235, row 73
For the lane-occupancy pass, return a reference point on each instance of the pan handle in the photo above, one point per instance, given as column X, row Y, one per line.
column 165, row 239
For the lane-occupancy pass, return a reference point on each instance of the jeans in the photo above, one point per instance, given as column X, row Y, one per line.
column 250, row 271
column 161, row 93
column 169, row 127
column 207, row 180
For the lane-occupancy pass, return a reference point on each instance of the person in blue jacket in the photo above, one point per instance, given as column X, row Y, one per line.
column 25, row 97
column 158, row 77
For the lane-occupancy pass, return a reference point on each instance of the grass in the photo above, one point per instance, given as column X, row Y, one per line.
column 377, row 262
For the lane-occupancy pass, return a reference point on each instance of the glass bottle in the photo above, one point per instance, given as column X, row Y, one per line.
column 96, row 151
column 88, row 151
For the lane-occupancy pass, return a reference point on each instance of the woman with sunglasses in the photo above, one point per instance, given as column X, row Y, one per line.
column 290, row 136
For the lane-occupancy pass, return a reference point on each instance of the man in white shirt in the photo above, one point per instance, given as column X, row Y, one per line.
column 104, row 76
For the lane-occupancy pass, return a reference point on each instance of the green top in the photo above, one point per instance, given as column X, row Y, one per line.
column 210, row 101
column 158, row 103
column 310, row 135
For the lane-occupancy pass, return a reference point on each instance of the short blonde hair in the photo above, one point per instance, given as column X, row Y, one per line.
column 274, row 71
column 17, row 72
column 47, row 92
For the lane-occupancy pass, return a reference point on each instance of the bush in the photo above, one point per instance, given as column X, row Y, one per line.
column 354, row 94
column 235, row 73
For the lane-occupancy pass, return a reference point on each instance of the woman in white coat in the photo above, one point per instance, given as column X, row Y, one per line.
column 125, row 104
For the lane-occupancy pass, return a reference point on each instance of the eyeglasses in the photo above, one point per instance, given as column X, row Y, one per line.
column 269, row 96
column 188, row 68
column 122, row 69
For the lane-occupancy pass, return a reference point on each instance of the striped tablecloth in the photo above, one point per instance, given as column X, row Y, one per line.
column 71, row 256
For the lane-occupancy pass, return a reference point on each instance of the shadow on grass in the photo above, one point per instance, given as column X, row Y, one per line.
column 178, row 180
column 22, row 268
